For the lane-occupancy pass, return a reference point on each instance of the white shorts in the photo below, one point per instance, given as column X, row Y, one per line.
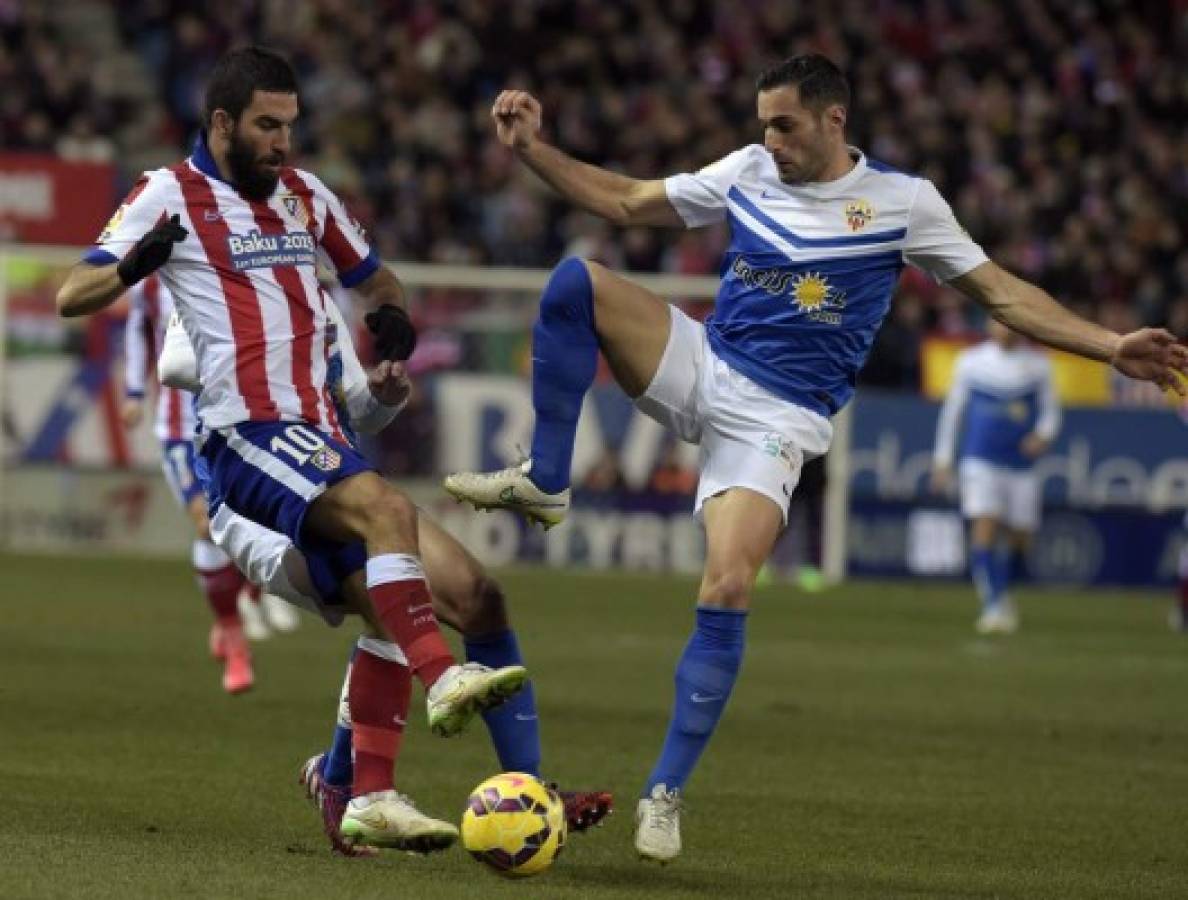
column 269, row 559
column 748, row 436
column 1010, row 496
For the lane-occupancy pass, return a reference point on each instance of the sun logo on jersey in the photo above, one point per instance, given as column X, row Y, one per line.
column 810, row 291
column 859, row 214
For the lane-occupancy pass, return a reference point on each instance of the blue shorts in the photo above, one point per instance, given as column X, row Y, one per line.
column 177, row 461
column 330, row 565
column 271, row 472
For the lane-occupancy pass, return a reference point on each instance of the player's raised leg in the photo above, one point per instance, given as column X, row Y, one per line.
column 741, row 528
column 366, row 508
column 584, row 308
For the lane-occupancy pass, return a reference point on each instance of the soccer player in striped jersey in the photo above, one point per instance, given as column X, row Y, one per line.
column 236, row 235
column 819, row 234
column 149, row 309
column 464, row 596
column 1003, row 411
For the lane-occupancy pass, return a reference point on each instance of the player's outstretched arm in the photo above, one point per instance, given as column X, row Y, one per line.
column 617, row 198
column 1149, row 354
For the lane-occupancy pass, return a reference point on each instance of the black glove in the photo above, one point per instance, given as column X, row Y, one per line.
column 395, row 337
column 151, row 252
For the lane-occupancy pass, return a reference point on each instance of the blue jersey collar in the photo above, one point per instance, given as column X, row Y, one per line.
column 202, row 160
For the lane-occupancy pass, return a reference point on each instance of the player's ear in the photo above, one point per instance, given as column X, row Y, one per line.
column 836, row 115
column 221, row 123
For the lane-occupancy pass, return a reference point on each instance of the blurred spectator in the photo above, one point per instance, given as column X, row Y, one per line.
column 1055, row 128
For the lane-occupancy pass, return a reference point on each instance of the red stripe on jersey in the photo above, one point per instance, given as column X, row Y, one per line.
column 140, row 185
column 243, row 306
column 173, row 415
column 301, row 317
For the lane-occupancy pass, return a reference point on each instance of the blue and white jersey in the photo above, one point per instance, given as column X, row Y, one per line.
column 810, row 270
column 997, row 398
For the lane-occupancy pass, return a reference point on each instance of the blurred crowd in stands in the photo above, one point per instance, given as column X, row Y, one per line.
column 1055, row 127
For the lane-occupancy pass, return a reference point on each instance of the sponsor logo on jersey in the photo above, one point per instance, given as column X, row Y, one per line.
column 859, row 214
column 812, row 293
column 817, row 298
column 326, row 458
column 264, row 251
column 112, row 224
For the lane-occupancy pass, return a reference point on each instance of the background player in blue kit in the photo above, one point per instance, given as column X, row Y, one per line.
column 1003, row 411
column 819, row 236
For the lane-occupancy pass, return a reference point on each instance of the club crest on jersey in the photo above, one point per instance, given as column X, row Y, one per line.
column 326, row 458
column 295, row 208
column 859, row 214
column 779, row 447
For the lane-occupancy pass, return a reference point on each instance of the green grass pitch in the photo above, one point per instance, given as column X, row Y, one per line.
column 874, row 748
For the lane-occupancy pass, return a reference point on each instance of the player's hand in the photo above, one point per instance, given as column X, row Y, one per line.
column 389, row 383
column 1033, row 446
column 395, row 337
column 517, row 118
column 941, row 480
column 132, row 412
column 152, row 250
column 1153, row 354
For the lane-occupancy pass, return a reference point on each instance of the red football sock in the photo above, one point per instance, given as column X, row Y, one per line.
column 253, row 591
column 221, row 587
column 378, row 695
column 402, row 601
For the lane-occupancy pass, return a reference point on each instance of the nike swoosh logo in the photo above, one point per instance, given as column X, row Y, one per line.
column 421, row 608
column 768, row 195
column 508, row 496
column 704, row 698
column 520, row 717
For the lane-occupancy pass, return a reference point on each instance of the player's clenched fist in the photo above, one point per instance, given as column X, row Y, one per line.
column 517, row 118
column 152, row 251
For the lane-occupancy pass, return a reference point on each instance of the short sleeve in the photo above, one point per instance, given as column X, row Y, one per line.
column 935, row 241
column 141, row 210
column 341, row 238
column 700, row 198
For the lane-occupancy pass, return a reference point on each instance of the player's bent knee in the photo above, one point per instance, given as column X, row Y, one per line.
column 727, row 590
column 393, row 511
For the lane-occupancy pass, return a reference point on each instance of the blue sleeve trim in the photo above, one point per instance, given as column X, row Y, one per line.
column 97, row 257
column 361, row 272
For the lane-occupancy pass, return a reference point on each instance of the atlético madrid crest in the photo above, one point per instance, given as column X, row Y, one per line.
column 859, row 214
column 326, row 458
column 295, row 208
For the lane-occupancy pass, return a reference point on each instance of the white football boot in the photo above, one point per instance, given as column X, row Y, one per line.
column 389, row 819
column 658, row 825
column 280, row 613
column 251, row 614
column 512, row 489
column 1001, row 618
column 464, row 690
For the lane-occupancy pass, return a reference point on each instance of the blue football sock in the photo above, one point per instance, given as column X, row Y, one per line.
column 987, row 575
column 513, row 725
column 705, row 676
column 338, row 767
column 564, row 361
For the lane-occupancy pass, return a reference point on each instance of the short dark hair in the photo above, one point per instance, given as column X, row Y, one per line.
column 818, row 80
column 241, row 72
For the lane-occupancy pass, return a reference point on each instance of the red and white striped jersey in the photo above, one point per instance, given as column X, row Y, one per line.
column 149, row 309
column 245, row 284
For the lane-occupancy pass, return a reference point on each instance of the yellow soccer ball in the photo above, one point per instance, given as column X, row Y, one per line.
column 514, row 823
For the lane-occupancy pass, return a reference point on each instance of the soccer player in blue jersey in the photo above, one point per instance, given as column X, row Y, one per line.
column 819, row 235
column 1003, row 411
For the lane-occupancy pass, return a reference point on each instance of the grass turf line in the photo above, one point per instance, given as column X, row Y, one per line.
column 874, row 748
